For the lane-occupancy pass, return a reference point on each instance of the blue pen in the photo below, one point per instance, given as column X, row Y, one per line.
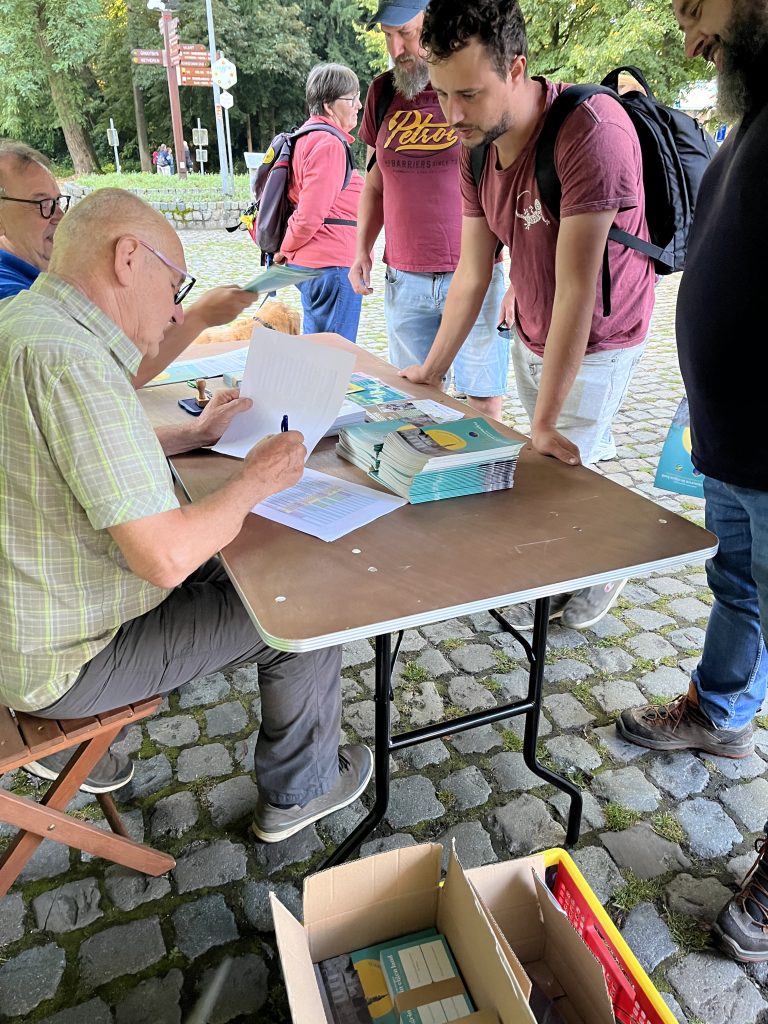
column 284, row 424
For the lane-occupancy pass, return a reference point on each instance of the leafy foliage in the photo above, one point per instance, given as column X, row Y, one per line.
column 581, row 40
column 67, row 66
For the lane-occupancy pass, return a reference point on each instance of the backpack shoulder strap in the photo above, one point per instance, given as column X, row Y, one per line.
column 384, row 98
column 383, row 101
column 477, row 158
column 546, row 173
column 329, row 128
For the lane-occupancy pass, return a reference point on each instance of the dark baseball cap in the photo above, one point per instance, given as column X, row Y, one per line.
column 395, row 14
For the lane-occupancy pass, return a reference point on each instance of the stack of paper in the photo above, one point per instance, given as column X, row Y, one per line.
column 348, row 414
column 361, row 444
column 433, row 462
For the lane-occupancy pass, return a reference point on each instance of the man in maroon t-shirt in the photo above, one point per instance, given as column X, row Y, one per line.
column 572, row 363
column 412, row 190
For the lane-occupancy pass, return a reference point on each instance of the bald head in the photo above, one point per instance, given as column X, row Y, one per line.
column 85, row 239
column 127, row 259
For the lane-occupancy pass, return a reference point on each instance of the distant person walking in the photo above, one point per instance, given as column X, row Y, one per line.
column 164, row 160
column 321, row 230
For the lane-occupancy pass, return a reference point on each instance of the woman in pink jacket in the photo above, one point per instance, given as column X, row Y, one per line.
column 321, row 230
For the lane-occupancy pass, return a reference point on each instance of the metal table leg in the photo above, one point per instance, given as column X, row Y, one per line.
column 385, row 744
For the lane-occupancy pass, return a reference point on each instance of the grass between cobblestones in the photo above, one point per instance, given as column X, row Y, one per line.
column 653, row 397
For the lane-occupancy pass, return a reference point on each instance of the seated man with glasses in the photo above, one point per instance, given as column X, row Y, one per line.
column 30, row 212
column 109, row 590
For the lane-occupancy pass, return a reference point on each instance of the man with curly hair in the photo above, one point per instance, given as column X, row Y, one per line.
column 572, row 362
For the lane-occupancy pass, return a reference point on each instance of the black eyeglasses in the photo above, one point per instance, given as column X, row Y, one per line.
column 187, row 281
column 47, row 206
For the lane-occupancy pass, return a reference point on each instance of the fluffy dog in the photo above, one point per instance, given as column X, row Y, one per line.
column 273, row 314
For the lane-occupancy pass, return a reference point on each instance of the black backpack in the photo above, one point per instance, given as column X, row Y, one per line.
column 270, row 189
column 675, row 152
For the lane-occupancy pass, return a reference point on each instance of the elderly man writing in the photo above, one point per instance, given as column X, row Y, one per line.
column 109, row 592
column 31, row 209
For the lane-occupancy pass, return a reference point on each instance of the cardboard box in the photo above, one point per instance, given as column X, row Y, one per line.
column 385, row 897
column 533, row 929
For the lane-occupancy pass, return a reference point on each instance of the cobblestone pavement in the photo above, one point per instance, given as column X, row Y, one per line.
column 664, row 841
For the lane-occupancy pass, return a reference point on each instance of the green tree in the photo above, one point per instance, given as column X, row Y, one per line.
column 45, row 47
column 581, row 40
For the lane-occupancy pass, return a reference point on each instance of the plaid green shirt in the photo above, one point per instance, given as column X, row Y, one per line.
column 78, row 456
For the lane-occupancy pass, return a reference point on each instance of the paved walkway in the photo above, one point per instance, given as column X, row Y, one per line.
column 664, row 838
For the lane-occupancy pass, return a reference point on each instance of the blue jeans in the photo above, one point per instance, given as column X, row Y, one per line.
column 731, row 677
column 413, row 307
column 329, row 303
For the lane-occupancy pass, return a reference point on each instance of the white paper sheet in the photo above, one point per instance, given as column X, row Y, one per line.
column 326, row 507
column 286, row 375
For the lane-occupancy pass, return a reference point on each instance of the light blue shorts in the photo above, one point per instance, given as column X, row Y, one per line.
column 413, row 307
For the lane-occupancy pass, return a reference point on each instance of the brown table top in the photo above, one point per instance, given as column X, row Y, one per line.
column 558, row 529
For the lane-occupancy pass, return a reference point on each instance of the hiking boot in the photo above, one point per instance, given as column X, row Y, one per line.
column 521, row 615
column 741, row 927
column 110, row 773
column 588, row 606
column 272, row 824
column 682, row 725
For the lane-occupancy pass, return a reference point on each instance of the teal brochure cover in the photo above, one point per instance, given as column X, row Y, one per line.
column 676, row 471
column 277, row 276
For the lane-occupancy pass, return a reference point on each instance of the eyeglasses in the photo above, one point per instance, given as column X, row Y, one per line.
column 350, row 99
column 47, row 206
column 187, row 281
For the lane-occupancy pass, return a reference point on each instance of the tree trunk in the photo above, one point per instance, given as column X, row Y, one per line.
column 63, row 86
column 267, row 124
column 141, row 128
column 76, row 136
column 248, row 134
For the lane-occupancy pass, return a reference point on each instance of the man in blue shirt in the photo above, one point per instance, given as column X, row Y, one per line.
column 31, row 209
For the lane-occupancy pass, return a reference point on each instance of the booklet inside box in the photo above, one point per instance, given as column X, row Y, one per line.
column 386, row 896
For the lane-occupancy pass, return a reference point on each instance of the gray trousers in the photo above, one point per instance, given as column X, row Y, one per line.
column 203, row 627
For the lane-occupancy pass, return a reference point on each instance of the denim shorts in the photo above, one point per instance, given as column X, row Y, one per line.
column 594, row 399
column 413, row 307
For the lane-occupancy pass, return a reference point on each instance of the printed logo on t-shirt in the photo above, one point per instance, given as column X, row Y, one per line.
column 531, row 214
column 413, row 131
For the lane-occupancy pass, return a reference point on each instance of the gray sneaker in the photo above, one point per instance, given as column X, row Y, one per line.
column 588, row 606
column 521, row 615
column 272, row 824
column 741, row 928
column 110, row 773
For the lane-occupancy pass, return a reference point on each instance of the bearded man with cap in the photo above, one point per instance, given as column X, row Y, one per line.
column 412, row 191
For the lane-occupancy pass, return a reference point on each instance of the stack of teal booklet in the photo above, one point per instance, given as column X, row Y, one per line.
column 430, row 462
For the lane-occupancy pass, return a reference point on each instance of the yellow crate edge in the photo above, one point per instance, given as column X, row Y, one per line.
column 554, row 856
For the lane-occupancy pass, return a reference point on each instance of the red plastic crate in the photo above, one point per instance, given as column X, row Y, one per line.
column 634, row 998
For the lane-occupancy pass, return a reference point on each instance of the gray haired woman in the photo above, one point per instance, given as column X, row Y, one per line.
column 325, row 190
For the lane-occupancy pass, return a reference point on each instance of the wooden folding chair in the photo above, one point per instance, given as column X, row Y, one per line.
column 25, row 738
